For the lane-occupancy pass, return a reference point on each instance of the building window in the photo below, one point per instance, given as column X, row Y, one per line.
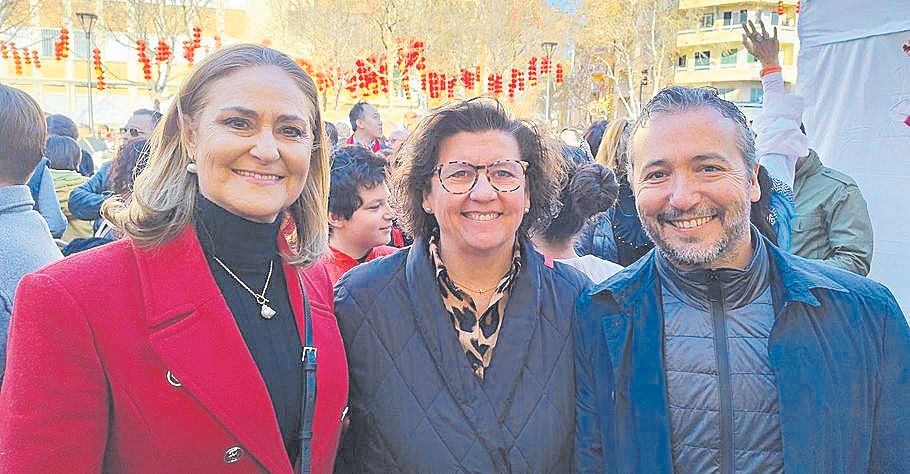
column 756, row 95
column 707, row 21
column 681, row 62
column 728, row 18
column 702, row 59
column 80, row 43
column 728, row 57
column 775, row 18
column 743, row 16
column 726, row 93
column 49, row 36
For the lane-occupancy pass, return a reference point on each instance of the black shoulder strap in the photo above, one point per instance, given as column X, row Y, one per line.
column 308, row 358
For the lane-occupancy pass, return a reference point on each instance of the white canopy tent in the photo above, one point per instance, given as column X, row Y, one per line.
column 854, row 72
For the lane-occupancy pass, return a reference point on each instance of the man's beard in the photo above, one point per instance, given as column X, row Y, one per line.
column 735, row 224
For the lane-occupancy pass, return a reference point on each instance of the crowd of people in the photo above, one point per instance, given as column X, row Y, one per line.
column 248, row 285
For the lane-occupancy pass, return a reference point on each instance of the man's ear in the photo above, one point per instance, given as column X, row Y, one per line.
column 754, row 186
column 335, row 221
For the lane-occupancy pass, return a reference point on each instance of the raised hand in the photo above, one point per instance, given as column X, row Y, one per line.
column 763, row 46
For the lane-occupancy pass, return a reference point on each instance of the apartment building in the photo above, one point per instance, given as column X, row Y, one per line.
column 711, row 53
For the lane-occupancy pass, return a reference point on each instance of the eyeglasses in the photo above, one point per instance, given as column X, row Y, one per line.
column 459, row 177
column 133, row 131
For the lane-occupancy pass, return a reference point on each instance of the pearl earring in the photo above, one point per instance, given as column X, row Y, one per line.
column 427, row 210
column 527, row 210
column 191, row 167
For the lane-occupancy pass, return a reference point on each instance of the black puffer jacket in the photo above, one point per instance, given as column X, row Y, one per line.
column 416, row 405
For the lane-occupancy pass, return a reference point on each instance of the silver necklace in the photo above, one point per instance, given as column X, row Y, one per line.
column 265, row 311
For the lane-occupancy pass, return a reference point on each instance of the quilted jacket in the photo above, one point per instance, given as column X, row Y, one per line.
column 839, row 350
column 415, row 405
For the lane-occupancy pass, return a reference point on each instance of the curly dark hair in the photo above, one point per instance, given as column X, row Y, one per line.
column 353, row 167
column 130, row 161
column 420, row 154
column 591, row 188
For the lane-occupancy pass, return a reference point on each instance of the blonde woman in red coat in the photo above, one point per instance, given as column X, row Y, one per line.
column 190, row 345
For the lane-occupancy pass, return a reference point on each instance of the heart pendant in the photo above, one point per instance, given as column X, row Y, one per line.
column 267, row 312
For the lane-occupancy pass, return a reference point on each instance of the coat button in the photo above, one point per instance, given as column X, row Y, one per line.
column 173, row 380
column 233, row 455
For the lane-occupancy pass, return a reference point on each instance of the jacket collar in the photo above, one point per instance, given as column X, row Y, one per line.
column 792, row 279
column 15, row 198
column 808, row 165
column 193, row 332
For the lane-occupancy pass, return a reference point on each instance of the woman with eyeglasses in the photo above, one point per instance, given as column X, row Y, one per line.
column 460, row 348
column 191, row 345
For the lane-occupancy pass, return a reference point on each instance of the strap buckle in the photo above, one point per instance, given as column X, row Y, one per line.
column 309, row 358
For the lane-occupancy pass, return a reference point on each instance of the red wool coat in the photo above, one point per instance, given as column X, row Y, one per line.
column 129, row 360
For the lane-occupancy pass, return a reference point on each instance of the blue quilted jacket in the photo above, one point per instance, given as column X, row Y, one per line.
column 415, row 404
column 839, row 350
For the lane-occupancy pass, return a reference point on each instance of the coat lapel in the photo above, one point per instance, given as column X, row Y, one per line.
column 194, row 333
column 519, row 323
column 634, row 339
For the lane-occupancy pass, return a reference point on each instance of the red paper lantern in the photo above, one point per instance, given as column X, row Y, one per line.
column 217, row 41
column 780, row 8
column 797, row 6
column 4, row 50
column 27, row 55
column 99, row 71
column 560, row 78
column 532, row 72
column 35, row 59
column 17, row 60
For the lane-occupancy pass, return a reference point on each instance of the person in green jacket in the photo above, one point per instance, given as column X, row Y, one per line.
column 63, row 154
column 832, row 222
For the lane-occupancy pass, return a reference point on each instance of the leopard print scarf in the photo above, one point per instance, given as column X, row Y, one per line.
column 477, row 335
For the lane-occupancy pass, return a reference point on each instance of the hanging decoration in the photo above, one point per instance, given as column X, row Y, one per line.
column 4, row 50
column 144, row 59
column 780, row 8
column 217, row 41
column 35, row 59
column 62, row 45
column 99, row 71
column 798, row 2
column 17, row 59
column 532, row 71
column 162, row 52
column 190, row 46
column 560, row 76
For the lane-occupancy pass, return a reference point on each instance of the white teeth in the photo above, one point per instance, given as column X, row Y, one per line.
column 692, row 222
column 482, row 216
column 267, row 177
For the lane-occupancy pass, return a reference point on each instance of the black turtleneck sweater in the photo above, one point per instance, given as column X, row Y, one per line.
column 247, row 248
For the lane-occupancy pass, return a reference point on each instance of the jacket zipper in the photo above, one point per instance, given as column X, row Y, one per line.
column 722, row 354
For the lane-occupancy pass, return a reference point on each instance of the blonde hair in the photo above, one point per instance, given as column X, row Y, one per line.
column 612, row 146
column 162, row 203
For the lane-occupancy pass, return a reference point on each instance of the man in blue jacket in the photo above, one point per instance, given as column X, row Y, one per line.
column 717, row 352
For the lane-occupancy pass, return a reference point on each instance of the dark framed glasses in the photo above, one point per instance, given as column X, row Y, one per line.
column 132, row 131
column 459, row 177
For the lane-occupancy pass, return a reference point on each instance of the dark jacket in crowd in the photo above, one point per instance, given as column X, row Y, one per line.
column 415, row 403
column 839, row 349
column 86, row 199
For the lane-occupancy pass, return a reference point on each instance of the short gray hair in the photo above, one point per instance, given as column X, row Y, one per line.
column 677, row 99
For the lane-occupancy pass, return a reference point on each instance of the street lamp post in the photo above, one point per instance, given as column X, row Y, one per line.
column 548, row 48
column 88, row 22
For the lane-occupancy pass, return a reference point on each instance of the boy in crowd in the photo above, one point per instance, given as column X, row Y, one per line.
column 360, row 216
column 25, row 241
